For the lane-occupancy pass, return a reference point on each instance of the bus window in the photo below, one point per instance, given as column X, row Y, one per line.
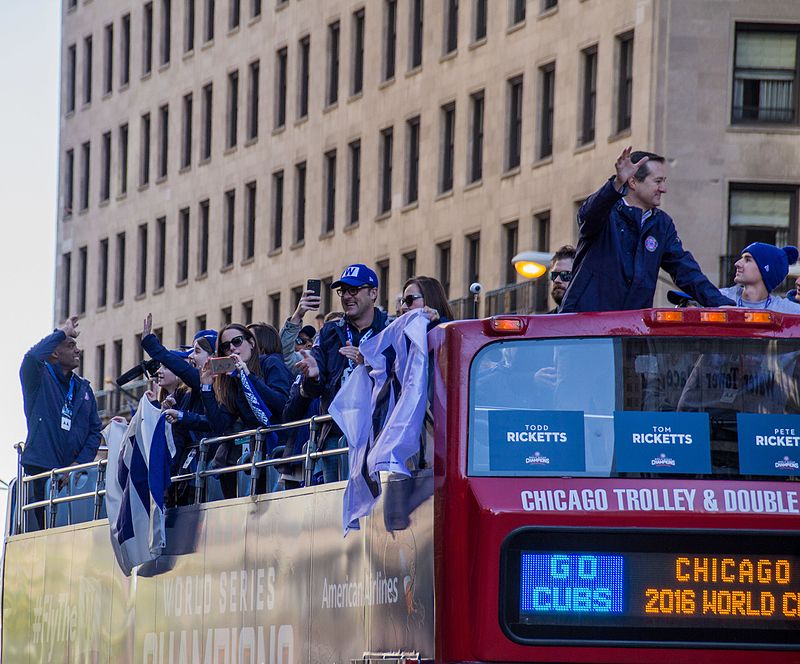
column 636, row 406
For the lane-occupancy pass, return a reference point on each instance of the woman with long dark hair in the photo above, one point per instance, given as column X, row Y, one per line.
column 428, row 294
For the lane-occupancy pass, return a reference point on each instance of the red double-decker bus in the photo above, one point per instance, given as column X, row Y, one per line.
column 604, row 487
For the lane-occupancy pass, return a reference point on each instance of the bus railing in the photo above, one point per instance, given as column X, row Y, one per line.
column 254, row 466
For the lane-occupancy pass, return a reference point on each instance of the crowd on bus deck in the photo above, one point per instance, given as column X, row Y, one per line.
column 624, row 239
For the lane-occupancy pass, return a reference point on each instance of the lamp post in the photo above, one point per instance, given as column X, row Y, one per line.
column 532, row 264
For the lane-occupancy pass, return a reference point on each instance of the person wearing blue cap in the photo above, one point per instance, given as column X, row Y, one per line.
column 760, row 270
column 327, row 365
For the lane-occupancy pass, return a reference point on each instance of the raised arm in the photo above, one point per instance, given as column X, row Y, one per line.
column 155, row 349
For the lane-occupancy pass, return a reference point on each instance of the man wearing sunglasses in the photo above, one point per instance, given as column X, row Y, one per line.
column 328, row 364
column 561, row 274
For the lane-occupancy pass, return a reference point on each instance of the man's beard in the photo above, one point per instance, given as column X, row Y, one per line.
column 558, row 294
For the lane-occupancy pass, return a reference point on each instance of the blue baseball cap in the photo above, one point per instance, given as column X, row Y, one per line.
column 357, row 274
column 209, row 335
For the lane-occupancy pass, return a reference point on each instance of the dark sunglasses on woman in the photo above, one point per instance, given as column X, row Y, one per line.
column 226, row 346
column 409, row 299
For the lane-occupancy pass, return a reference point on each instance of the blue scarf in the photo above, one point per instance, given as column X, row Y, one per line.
column 257, row 406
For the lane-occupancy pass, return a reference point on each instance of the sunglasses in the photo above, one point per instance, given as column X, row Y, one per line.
column 564, row 275
column 352, row 291
column 408, row 300
column 226, row 346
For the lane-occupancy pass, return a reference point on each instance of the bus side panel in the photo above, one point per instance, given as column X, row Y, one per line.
column 19, row 639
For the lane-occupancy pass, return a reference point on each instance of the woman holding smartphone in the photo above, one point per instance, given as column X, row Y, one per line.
column 250, row 395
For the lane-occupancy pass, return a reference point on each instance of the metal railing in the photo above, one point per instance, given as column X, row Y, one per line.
column 526, row 297
column 308, row 459
column 465, row 307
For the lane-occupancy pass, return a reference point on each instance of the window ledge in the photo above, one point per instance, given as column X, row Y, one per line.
column 101, row 310
column 478, row 43
column 625, row 133
column 158, row 290
column 473, row 185
column 510, row 173
column 140, row 296
column 414, row 71
column 547, row 13
column 184, row 169
column 70, row 114
column 181, row 283
column 205, row 161
column 762, row 129
column 107, row 95
column 449, row 56
column 281, row 5
column 201, row 277
column 515, row 27
column 229, row 150
column 326, row 234
column 298, row 245
column 279, row 130
column 123, row 87
column 117, row 305
column 277, row 251
column 584, row 147
column 381, row 216
column 83, row 212
column 330, row 107
column 408, row 207
column 207, row 44
column 355, row 96
column 253, row 20
column 351, row 227
column 163, row 67
column 544, row 161
column 143, row 187
column 250, row 141
column 385, row 83
column 104, row 203
column 234, row 30
column 161, row 179
column 226, row 268
column 301, row 120
column 248, row 261
column 146, row 76
column 188, row 55
column 444, row 195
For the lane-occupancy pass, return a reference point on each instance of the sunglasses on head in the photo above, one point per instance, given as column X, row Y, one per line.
column 564, row 275
column 352, row 291
column 225, row 346
column 408, row 300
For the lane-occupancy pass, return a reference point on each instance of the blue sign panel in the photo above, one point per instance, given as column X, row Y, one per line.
column 655, row 442
column 571, row 583
column 769, row 444
column 527, row 441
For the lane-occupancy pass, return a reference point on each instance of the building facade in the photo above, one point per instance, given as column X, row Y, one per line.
column 217, row 153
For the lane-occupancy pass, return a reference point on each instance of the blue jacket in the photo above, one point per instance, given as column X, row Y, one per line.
column 331, row 362
column 47, row 444
column 618, row 258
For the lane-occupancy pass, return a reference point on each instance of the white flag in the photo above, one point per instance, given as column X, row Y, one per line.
column 137, row 476
column 384, row 436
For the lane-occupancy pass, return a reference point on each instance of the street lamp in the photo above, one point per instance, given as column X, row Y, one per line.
column 532, row 264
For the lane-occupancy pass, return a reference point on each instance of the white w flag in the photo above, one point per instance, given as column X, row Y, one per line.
column 394, row 381
column 136, row 478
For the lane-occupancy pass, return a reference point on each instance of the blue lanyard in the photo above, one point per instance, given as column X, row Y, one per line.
column 766, row 303
column 349, row 334
column 67, row 408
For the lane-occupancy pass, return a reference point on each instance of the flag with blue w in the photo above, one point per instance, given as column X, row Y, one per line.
column 137, row 476
column 394, row 382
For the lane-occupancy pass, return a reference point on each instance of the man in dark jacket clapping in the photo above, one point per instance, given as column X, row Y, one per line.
column 63, row 425
column 624, row 239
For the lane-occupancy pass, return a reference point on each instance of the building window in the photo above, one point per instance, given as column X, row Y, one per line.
column 624, row 81
column 117, row 360
column 541, row 231
column 87, row 70
column 207, row 119
column 208, row 32
column 412, row 160
column 202, row 241
column 100, row 367
column 473, row 259
column 230, row 226
column 325, row 302
column 296, row 293
column 417, row 33
column 200, row 322
column 119, row 283
column 125, row 51
column 83, row 259
column 253, row 76
column 514, row 125
column 250, row 221
column 85, row 171
column 102, row 274
column 409, row 265
column 547, row 81
column 122, row 159
column 383, row 283
column 161, row 253
column 510, row 237
column 448, row 146
column 108, row 58
column 329, row 213
column 303, row 78
column 443, row 258
column 186, row 137
column 226, row 316
column 71, row 77
column 247, row 312
column 255, row 8
column 357, row 78
column 389, row 38
column 166, row 31
column 275, row 310
column 549, row 4
column 144, row 152
column 354, row 189
column 163, row 140
column 105, row 167
column 231, row 136
column 765, row 75
column 234, row 14
column 479, row 21
column 758, row 214
column 147, row 39
column 141, row 263
column 66, row 281
column 332, row 92
column 300, row 202
column 588, row 94
column 517, row 13
column 281, row 64
column 475, row 168
column 450, row 26
column 277, row 210
column 183, row 244
column 180, row 333
column 385, row 173
column 188, row 26
column 69, row 182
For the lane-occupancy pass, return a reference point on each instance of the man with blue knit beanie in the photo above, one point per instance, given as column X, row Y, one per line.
column 760, row 270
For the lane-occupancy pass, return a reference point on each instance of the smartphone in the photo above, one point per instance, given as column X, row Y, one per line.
column 222, row 365
column 315, row 286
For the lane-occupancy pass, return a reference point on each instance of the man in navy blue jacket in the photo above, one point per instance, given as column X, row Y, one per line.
column 336, row 354
column 624, row 239
column 63, row 425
